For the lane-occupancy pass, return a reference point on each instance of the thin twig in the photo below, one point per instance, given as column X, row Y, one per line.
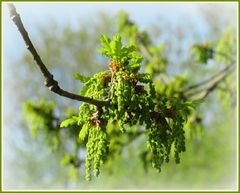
column 207, row 81
column 144, row 51
column 50, row 82
column 203, row 93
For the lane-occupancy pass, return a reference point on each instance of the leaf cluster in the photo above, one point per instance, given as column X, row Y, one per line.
column 133, row 101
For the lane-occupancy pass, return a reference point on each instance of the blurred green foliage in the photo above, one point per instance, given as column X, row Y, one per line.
column 207, row 152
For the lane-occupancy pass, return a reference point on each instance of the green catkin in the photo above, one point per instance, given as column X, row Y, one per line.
column 132, row 98
column 97, row 149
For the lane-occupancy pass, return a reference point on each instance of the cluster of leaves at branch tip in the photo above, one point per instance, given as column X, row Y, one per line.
column 223, row 51
column 133, row 100
column 202, row 52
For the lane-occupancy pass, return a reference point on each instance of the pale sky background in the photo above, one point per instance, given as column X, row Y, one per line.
column 144, row 14
column 34, row 14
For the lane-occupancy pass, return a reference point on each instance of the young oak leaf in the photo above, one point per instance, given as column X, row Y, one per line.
column 105, row 41
column 81, row 77
column 106, row 48
column 116, row 46
column 69, row 122
column 137, row 59
column 129, row 49
column 133, row 67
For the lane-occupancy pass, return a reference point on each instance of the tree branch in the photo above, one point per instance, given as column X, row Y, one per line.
column 207, row 81
column 212, row 83
column 52, row 84
column 49, row 82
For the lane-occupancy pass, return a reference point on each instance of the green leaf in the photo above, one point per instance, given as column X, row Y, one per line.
column 106, row 48
column 202, row 52
column 81, row 77
column 128, row 50
column 84, row 90
column 195, row 103
column 84, row 132
column 105, row 41
column 133, row 67
column 137, row 59
column 68, row 122
column 116, row 46
column 144, row 78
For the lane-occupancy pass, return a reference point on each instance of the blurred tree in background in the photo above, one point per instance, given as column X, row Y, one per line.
column 179, row 65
